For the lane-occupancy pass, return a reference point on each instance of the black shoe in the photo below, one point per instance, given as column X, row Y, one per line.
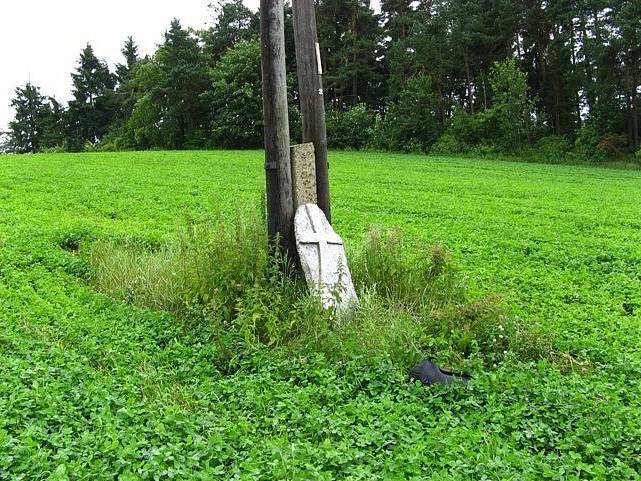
column 429, row 373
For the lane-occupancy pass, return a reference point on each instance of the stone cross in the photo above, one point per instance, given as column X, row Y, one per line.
column 323, row 259
column 323, row 240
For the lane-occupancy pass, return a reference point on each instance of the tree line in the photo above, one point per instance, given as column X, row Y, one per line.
column 451, row 76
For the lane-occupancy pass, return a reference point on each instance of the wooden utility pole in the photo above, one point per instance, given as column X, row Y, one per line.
column 280, row 204
column 310, row 86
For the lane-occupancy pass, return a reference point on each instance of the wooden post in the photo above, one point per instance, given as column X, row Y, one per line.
column 280, row 204
column 310, row 86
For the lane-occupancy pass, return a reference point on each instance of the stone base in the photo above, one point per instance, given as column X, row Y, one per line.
column 303, row 162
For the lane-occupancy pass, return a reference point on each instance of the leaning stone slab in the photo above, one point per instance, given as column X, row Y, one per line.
column 303, row 174
column 323, row 259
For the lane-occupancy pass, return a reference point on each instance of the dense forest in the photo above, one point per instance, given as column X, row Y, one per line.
column 556, row 78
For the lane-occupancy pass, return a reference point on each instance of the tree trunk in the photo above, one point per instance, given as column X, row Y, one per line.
column 280, row 203
column 468, row 81
column 355, row 70
column 589, row 72
column 635, row 119
column 574, row 71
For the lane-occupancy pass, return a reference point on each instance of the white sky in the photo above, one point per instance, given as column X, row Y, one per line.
column 41, row 39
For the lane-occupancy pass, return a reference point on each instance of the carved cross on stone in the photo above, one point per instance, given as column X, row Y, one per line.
column 323, row 259
column 321, row 239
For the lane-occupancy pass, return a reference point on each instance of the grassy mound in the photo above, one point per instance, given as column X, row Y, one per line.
column 218, row 271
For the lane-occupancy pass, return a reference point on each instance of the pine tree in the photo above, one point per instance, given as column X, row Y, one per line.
column 130, row 53
column 92, row 78
column 53, row 124
column 93, row 107
column 547, row 49
column 126, row 94
column 350, row 39
column 5, row 143
column 172, row 111
column 184, row 81
column 398, row 16
column 26, row 128
column 36, row 124
column 626, row 18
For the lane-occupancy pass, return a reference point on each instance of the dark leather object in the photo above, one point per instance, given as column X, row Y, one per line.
column 429, row 373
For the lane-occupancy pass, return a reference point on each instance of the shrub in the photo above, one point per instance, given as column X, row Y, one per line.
column 195, row 140
column 215, row 270
column 205, row 264
column 586, row 145
column 613, row 145
column 351, row 129
column 90, row 146
column 554, row 145
column 377, row 139
column 552, row 148
column 423, row 295
column 413, row 282
column 506, row 126
column 58, row 149
column 448, row 143
column 469, row 133
column 411, row 123
column 638, row 155
column 484, row 149
column 109, row 146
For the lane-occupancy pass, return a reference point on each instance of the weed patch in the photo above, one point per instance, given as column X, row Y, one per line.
column 71, row 240
column 413, row 303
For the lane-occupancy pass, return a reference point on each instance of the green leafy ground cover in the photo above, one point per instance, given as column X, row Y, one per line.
column 91, row 388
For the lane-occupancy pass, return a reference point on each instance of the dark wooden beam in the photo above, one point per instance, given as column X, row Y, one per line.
column 312, row 102
column 280, row 204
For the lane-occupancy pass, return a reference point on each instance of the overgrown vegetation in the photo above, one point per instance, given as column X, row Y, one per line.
column 95, row 388
column 219, row 272
column 216, row 271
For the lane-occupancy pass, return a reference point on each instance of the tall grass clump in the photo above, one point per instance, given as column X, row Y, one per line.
column 206, row 266
column 409, row 278
column 129, row 272
column 413, row 302
column 216, row 270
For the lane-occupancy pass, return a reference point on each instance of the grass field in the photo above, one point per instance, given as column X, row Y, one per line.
column 91, row 388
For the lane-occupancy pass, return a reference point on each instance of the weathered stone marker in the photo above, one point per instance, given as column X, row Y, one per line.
column 323, row 259
column 303, row 174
